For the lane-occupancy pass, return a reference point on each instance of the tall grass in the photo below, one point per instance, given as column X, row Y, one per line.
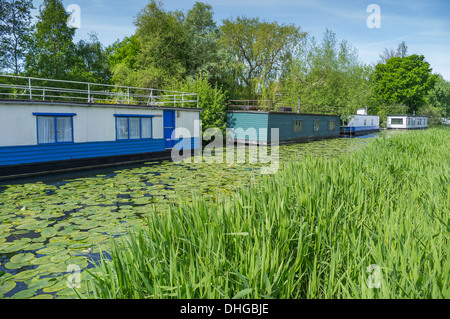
column 310, row 231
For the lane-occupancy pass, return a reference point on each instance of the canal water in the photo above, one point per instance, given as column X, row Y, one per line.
column 53, row 228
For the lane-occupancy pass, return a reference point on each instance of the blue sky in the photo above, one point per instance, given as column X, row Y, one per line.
column 423, row 24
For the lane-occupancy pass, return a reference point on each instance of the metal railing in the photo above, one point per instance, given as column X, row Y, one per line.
column 29, row 88
column 275, row 106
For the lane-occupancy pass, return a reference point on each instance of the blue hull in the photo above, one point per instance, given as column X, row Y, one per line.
column 358, row 130
column 20, row 161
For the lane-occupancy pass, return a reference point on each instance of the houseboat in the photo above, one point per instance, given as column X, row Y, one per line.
column 47, row 134
column 407, row 122
column 253, row 124
column 360, row 124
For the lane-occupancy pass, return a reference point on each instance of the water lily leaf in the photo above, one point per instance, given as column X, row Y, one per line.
column 67, row 293
column 41, row 260
column 7, row 286
column 35, row 246
column 52, row 268
column 10, row 265
column 15, row 247
column 59, row 258
column 77, row 260
column 80, row 246
column 48, row 232
column 48, row 251
column 62, row 284
column 42, row 283
column 22, row 258
column 27, row 274
column 25, row 294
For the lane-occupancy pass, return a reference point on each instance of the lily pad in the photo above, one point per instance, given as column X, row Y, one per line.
column 25, row 294
column 62, row 284
column 15, row 247
column 12, row 266
column 80, row 246
column 22, row 258
column 42, row 283
column 67, row 293
column 48, row 232
column 35, row 246
column 48, row 251
column 59, row 258
column 27, row 274
column 7, row 286
column 77, row 260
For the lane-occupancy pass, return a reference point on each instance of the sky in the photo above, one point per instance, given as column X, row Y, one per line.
column 424, row 25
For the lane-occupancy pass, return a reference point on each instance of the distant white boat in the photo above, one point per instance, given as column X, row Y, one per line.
column 407, row 122
column 360, row 124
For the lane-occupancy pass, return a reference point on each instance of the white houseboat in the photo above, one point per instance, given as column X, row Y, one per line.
column 360, row 124
column 407, row 122
column 45, row 128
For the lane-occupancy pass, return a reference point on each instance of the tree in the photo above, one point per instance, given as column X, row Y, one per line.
column 15, row 30
column 212, row 100
column 438, row 99
column 123, row 52
column 155, row 55
column 204, row 55
column 92, row 61
column 404, row 80
column 162, row 42
column 402, row 51
column 261, row 48
column 52, row 53
column 328, row 74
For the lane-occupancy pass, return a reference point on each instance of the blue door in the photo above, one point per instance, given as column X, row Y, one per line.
column 169, row 127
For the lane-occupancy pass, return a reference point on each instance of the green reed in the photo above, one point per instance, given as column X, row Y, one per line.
column 309, row 231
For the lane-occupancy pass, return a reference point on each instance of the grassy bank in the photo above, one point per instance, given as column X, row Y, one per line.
column 310, row 231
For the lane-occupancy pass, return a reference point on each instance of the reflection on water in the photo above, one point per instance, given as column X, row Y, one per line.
column 50, row 222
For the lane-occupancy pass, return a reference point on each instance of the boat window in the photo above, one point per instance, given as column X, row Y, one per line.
column 54, row 128
column 316, row 125
column 133, row 127
column 331, row 125
column 398, row 121
column 298, row 126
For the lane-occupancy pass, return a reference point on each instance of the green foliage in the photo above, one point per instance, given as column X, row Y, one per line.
column 405, row 80
column 212, row 100
column 205, row 56
column 401, row 52
column 439, row 96
column 162, row 45
column 383, row 110
column 327, row 73
column 314, row 238
column 260, row 48
column 92, row 61
column 124, row 52
column 52, row 53
column 15, row 30
column 435, row 114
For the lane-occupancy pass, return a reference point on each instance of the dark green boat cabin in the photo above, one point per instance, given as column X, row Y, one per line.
column 254, row 126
